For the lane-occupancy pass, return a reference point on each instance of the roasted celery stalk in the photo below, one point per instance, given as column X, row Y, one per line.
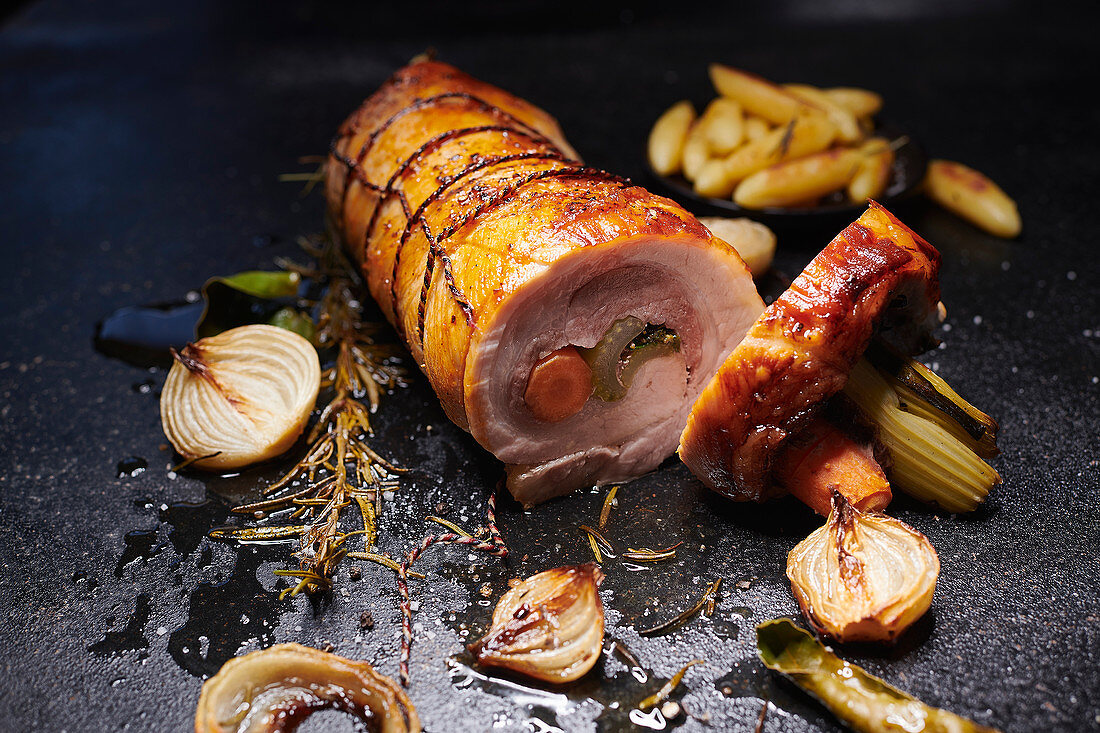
column 860, row 700
column 932, row 435
column 925, row 393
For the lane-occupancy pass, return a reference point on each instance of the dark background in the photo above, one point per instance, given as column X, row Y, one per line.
column 140, row 145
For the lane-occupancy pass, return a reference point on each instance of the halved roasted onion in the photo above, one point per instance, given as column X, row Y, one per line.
column 240, row 397
column 277, row 688
column 549, row 627
column 863, row 576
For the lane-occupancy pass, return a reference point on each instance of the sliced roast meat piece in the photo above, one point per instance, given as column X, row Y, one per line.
column 875, row 276
column 490, row 247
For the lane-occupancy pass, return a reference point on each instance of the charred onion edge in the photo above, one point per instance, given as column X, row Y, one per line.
column 209, row 389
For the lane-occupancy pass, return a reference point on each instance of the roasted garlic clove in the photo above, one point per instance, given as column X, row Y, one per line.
column 549, row 627
column 863, row 576
column 754, row 242
column 239, row 397
column 277, row 688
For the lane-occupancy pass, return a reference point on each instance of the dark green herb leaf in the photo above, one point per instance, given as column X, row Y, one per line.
column 294, row 320
column 262, row 283
column 247, row 297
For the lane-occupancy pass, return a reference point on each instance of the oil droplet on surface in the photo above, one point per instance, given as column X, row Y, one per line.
column 140, row 545
column 131, row 467
column 463, row 676
column 144, row 387
column 142, row 335
column 214, row 630
column 129, row 638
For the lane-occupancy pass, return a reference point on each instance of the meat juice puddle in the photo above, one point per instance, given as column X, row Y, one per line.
column 142, row 335
column 141, row 544
column 130, row 637
column 224, row 614
column 611, row 698
column 753, row 685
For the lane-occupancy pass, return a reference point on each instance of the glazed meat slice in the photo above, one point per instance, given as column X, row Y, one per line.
column 493, row 250
column 876, row 276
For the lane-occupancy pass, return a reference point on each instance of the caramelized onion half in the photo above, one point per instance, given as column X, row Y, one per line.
column 863, row 576
column 277, row 688
column 549, row 627
column 240, row 397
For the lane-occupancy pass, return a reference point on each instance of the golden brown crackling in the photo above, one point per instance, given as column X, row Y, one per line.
column 799, row 352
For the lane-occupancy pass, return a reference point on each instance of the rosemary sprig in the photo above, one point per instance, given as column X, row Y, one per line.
column 607, row 504
column 487, row 539
column 667, row 688
column 339, row 469
column 646, row 554
column 596, row 536
column 449, row 525
column 681, row 618
column 595, row 550
column 312, row 178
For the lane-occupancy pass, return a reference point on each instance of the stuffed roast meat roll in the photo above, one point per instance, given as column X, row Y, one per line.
column 566, row 318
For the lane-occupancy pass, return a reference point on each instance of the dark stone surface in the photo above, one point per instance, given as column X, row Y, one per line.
column 139, row 149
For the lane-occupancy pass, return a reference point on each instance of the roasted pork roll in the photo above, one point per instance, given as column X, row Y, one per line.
column 876, row 277
column 564, row 317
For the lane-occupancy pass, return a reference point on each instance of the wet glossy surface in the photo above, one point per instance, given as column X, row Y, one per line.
column 139, row 154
